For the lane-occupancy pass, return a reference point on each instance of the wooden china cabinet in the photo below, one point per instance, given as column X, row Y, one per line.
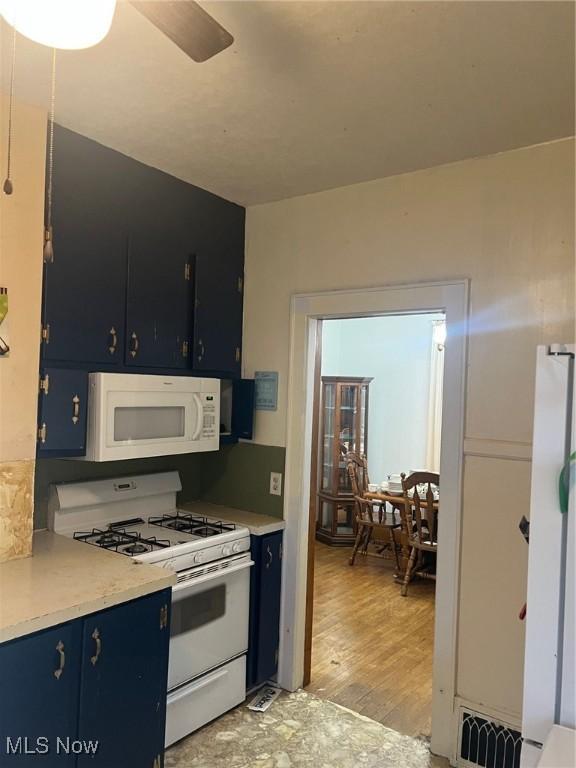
column 343, row 428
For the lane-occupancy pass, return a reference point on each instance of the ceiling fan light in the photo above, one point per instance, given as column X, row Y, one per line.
column 70, row 24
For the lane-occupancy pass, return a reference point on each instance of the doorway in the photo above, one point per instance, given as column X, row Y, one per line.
column 307, row 312
column 378, row 398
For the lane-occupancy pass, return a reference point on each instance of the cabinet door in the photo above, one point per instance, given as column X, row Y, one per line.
column 265, row 608
column 84, row 287
column 39, row 681
column 219, row 288
column 62, row 408
column 243, row 394
column 159, row 307
column 124, row 683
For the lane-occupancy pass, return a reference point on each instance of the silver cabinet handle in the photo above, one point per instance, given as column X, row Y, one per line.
column 112, row 340
column 75, row 409
column 60, row 649
column 97, row 639
column 200, row 349
column 270, row 557
column 134, row 344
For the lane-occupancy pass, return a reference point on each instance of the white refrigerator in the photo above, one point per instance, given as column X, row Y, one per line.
column 548, row 719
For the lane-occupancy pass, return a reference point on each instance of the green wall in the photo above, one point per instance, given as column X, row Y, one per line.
column 239, row 476
column 236, row 476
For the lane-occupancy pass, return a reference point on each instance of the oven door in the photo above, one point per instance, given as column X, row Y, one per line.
column 209, row 625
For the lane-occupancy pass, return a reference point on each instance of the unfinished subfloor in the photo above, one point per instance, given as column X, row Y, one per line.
column 372, row 649
column 299, row 729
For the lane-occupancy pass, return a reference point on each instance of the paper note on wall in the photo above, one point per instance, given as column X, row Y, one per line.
column 266, row 390
column 4, row 346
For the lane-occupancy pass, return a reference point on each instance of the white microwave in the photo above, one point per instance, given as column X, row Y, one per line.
column 135, row 415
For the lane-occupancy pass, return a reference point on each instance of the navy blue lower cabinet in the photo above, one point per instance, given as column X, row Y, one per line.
column 62, row 408
column 265, row 589
column 124, row 684
column 89, row 693
column 39, row 684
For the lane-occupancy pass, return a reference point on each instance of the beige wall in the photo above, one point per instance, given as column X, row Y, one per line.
column 21, row 232
column 507, row 223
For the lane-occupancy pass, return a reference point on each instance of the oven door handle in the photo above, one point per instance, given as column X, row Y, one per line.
column 199, row 415
column 183, row 588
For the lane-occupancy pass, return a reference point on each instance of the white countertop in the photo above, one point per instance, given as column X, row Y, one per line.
column 65, row 579
column 257, row 524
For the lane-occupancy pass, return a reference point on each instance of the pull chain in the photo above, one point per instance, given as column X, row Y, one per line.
column 48, row 247
column 8, row 186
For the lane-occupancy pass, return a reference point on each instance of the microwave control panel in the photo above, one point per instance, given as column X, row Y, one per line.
column 210, row 424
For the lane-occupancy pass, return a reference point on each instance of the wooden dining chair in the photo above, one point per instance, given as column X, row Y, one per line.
column 369, row 514
column 420, row 524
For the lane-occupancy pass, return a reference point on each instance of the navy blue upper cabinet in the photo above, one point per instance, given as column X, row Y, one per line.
column 84, row 287
column 159, row 303
column 62, row 409
column 243, row 400
column 219, row 292
column 124, row 683
column 39, row 682
column 160, row 297
column 147, row 272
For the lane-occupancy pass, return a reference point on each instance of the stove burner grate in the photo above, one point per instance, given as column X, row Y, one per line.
column 198, row 526
column 119, row 540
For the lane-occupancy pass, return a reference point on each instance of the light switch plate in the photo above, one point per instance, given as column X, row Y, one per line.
column 276, row 483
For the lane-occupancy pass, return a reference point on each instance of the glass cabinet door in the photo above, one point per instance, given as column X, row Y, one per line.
column 329, row 418
column 348, row 425
column 343, row 429
column 362, row 431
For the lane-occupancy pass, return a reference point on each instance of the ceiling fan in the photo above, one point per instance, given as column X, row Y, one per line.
column 74, row 24
column 188, row 25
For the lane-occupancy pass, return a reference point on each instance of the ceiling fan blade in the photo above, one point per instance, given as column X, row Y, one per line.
column 188, row 25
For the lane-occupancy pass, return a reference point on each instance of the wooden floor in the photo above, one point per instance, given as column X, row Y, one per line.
column 372, row 648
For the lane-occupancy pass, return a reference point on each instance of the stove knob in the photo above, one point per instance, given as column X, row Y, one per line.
column 226, row 551
column 198, row 558
column 236, row 547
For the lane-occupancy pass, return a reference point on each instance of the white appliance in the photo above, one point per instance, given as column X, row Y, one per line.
column 549, row 689
column 132, row 415
column 137, row 516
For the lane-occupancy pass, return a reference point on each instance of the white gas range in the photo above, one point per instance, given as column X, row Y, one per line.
column 138, row 517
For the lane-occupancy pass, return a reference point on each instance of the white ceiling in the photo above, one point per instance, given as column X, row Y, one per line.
column 314, row 95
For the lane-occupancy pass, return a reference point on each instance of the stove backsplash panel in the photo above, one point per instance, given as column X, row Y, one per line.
column 66, row 470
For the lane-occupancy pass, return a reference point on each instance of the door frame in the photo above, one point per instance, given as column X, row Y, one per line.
column 451, row 297
column 313, row 505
